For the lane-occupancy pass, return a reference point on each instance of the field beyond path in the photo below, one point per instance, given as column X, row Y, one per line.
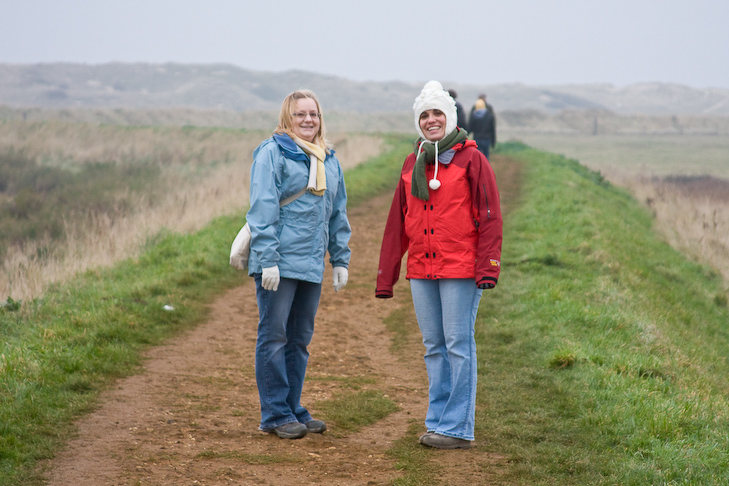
column 192, row 416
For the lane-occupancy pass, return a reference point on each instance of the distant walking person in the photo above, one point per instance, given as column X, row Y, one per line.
column 288, row 245
column 482, row 124
column 460, row 111
column 448, row 221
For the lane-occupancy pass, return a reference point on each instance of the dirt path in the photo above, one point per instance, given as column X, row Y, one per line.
column 191, row 418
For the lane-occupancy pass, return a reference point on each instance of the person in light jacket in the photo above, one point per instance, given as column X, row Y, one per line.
column 446, row 215
column 287, row 256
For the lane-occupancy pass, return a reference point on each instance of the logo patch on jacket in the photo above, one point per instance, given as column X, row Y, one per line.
column 495, row 263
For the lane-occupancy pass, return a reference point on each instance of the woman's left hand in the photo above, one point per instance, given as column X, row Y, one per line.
column 341, row 275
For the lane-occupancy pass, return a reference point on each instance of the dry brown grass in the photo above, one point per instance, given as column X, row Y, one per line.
column 693, row 214
column 205, row 174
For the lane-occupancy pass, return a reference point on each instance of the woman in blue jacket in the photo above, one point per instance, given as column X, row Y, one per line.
column 288, row 247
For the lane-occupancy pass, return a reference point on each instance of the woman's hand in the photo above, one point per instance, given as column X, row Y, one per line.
column 270, row 278
column 341, row 275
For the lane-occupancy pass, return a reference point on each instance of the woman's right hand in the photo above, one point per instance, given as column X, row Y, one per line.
column 270, row 278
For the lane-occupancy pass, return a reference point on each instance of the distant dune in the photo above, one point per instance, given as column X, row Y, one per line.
column 230, row 88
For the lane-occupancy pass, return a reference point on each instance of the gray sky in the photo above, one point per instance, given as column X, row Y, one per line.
column 534, row 42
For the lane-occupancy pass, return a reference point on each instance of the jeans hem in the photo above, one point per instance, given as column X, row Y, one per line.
column 455, row 436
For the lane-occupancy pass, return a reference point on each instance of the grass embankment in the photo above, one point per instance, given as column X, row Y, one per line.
column 602, row 352
column 59, row 351
column 684, row 179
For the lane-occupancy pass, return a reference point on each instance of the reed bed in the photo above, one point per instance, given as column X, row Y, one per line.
column 203, row 174
column 692, row 213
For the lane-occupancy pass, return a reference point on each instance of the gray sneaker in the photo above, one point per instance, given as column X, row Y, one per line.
column 292, row 430
column 316, row 426
column 424, row 436
column 444, row 442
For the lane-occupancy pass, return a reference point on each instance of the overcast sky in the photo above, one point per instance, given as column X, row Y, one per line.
column 535, row 42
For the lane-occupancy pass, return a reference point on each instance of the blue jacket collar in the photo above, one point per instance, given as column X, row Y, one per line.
column 289, row 148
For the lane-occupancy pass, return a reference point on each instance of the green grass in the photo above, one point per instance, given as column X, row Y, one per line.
column 352, row 410
column 602, row 352
column 58, row 352
column 415, row 462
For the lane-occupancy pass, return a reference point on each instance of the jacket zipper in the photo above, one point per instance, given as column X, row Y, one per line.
column 486, row 196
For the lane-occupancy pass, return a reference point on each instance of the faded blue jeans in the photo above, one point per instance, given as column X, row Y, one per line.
column 446, row 312
column 285, row 329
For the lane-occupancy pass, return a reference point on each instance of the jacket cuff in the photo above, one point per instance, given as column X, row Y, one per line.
column 383, row 294
column 487, row 282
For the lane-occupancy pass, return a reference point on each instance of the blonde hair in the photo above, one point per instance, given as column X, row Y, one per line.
column 286, row 118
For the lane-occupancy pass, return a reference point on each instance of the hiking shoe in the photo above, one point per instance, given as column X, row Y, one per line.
column 316, row 426
column 444, row 442
column 292, row 430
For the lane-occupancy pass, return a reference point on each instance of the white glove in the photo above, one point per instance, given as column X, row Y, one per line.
column 340, row 278
column 270, row 278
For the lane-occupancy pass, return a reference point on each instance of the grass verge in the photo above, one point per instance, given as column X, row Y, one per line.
column 602, row 352
column 60, row 351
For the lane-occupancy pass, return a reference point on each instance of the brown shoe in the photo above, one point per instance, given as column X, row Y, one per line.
column 444, row 442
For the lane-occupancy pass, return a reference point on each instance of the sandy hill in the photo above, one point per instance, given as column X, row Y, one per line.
column 227, row 87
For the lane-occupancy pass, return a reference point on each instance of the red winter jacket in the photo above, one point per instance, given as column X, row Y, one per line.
column 455, row 234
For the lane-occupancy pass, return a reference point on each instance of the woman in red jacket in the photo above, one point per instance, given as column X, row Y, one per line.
column 446, row 215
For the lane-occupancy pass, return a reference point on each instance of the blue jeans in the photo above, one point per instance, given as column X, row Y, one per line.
column 446, row 312
column 285, row 329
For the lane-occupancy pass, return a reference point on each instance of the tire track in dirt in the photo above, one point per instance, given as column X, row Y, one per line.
column 191, row 417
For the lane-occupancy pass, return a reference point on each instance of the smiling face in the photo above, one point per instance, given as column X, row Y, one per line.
column 433, row 124
column 305, row 127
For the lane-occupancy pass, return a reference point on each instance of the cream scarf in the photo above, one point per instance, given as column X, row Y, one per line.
column 317, row 175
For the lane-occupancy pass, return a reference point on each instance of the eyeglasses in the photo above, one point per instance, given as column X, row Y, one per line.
column 302, row 116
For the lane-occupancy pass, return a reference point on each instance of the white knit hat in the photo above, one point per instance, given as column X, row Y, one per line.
column 433, row 96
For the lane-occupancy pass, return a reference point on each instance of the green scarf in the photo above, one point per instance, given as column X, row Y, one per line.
column 427, row 156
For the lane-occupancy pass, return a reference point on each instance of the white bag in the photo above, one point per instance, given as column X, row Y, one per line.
column 241, row 248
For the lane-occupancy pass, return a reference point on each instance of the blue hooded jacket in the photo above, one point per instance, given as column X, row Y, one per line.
column 297, row 236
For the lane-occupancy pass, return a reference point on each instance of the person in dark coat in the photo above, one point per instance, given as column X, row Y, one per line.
column 460, row 111
column 482, row 124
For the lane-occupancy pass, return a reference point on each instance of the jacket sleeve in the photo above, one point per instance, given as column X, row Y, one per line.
column 339, row 228
column 487, row 206
column 394, row 244
column 263, row 214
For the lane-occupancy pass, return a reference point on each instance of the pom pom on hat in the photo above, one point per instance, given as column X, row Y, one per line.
column 434, row 97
